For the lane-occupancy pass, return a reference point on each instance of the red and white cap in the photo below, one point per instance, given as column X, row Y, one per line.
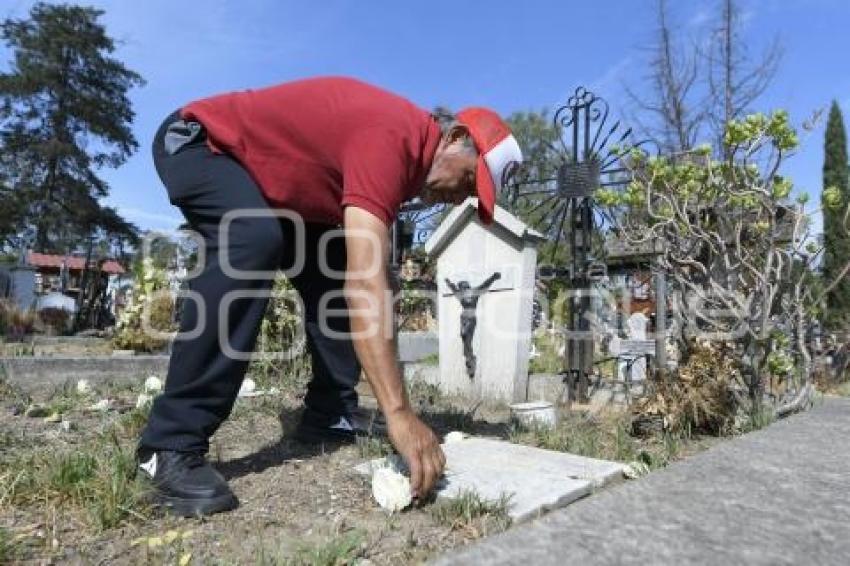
column 498, row 153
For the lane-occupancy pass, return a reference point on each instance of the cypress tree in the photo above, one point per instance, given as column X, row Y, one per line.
column 836, row 236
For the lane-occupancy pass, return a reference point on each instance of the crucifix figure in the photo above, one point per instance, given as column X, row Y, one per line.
column 468, row 297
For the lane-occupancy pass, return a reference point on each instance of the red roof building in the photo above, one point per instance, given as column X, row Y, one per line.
column 74, row 263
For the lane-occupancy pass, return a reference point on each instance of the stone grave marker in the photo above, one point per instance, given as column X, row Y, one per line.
column 485, row 286
column 634, row 346
column 536, row 480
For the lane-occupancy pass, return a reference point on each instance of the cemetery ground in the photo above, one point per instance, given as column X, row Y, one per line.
column 67, row 493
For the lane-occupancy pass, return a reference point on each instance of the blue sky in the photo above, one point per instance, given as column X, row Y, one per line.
column 506, row 55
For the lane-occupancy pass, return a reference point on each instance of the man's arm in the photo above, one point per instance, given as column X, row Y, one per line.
column 370, row 311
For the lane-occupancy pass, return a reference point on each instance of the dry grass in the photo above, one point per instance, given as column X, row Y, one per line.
column 605, row 436
column 372, row 447
column 473, row 515
column 344, row 548
column 700, row 399
column 94, row 481
column 842, row 390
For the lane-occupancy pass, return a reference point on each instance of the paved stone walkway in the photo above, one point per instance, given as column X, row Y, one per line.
column 776, row 496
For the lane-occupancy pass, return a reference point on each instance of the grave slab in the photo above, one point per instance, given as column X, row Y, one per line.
column 538, row 480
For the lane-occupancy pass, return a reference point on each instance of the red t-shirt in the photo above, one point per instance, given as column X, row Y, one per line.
column 317, row 145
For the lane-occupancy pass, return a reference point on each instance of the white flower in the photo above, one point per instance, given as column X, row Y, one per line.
column 83, row 386
column 102, row 405
column 635, row 469
column 248, row 387
column 143, row 400
column 454, row 436
column 153, row 384
column 391, row 489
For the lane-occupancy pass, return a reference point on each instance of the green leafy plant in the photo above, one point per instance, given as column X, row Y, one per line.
column 282, row 360
column 149, row 298
column 739, row 256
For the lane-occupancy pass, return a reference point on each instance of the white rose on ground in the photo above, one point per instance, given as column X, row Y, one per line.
column 102, row 405
column 248, row 387
column 153, row 384
column 143, row 400
column 83, row 387
column 454, row 436
column 391, row 489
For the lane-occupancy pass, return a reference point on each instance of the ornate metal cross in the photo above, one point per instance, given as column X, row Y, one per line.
column 590, row 153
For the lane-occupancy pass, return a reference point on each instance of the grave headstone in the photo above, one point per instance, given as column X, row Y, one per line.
column 636, row 326
column 23, row 286
column 494, row 330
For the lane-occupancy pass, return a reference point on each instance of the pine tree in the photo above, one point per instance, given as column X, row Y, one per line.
column 64, row 114
column 836, row 236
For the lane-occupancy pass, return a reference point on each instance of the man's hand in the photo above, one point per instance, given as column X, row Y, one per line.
column 419, row 447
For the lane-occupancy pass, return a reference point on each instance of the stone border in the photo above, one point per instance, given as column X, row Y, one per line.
column 414, row 346
column 29, row 372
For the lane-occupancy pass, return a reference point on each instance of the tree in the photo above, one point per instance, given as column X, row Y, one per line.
column 540, row 140
column 738, row 254
column 835, row 228
column 64, row 114
column 700, row 88
column 735, row 79
column 672, row 118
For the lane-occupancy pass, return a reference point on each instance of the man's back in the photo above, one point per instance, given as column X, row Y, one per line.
column 316, row 145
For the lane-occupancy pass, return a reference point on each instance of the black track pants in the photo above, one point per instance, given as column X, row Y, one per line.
column 203, row 376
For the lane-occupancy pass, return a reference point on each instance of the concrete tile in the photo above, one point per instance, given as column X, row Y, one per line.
column 537, row 480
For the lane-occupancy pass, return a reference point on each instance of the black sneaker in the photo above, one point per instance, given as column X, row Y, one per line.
column 316, row 427
column 185, row 483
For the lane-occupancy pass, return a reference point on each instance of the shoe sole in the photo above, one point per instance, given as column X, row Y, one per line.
column 183, row 507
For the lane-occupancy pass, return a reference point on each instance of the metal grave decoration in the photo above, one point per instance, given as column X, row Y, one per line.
column 468, row 297
column 591, row 153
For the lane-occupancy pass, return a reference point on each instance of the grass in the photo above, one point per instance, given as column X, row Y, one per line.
column 8, row 548
column 371, row 447
column 131, row 423
column 12, row 394
column 473, row 514
column 62, row 402
column 758, row 418
column 337, row 550
column 95, row 481
column 451, row 417
column 422, row 393
column 604, row 436
column 841, row 389
column 548, row 360
column 17, row 349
